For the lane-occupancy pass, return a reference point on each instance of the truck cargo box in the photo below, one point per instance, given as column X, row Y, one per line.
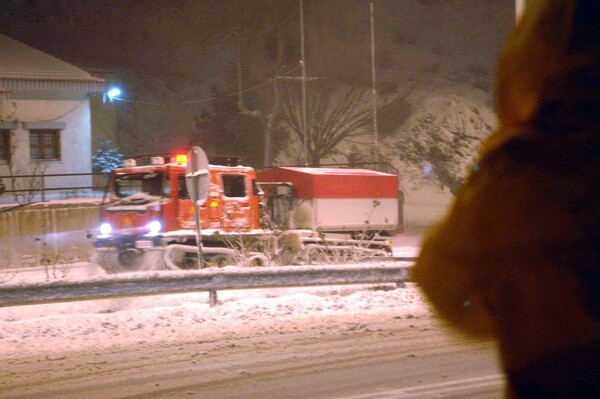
column 343, row 200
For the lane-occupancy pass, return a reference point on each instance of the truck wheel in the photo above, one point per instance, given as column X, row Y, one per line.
column 106, row 258
column 129, row 260
column 221, row 260
column 189, row 262
column 363, row 235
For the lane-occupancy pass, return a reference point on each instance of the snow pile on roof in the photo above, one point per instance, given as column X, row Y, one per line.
column 20, row 61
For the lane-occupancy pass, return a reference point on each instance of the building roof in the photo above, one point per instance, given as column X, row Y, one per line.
column 20, row 61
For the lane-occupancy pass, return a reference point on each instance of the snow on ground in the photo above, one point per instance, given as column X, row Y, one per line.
column 62, row 327
column 98, row 324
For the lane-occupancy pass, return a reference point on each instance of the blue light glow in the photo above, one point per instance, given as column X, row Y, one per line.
column 114, row 92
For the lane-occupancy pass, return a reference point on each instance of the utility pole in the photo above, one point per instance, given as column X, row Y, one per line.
column 374, row 85
column 303, row 66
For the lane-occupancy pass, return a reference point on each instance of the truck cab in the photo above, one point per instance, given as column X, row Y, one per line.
column 148, row 205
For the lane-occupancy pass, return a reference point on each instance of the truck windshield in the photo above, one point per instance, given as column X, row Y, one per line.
column 149, row 183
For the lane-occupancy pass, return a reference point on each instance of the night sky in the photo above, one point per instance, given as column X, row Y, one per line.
column 174, row 51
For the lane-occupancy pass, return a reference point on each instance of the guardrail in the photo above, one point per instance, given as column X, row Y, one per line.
column 211, row 281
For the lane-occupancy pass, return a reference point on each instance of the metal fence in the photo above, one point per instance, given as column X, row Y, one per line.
column 24, row 188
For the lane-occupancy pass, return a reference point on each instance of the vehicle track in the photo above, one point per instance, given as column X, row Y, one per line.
column 236, row 362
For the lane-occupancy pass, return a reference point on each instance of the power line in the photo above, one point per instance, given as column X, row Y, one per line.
column 210, row 98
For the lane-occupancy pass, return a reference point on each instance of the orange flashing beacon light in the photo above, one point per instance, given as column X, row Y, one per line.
column 181, row 159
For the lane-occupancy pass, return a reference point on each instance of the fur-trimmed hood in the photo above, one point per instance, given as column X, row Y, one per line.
column 548, row 71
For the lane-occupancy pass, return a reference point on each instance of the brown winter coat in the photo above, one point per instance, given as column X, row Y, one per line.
column 518, row 255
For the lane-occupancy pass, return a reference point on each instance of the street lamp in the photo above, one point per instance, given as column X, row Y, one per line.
column 111, row 94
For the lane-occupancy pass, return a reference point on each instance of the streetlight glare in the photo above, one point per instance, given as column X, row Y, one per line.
column 114, row 92
column 111, row 94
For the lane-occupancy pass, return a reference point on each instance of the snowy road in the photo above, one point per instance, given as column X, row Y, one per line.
column 370, row 354
column 355, row 342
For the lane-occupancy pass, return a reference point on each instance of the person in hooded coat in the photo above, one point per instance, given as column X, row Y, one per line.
column 518, row 255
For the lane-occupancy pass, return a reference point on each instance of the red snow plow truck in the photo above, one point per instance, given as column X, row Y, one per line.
column 277, row 216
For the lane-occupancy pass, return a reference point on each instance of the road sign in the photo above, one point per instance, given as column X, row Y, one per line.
column 197, row 181
column 197, row 177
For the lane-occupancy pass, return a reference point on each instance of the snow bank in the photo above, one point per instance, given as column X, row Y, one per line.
column 57, row 328
column 62, row 327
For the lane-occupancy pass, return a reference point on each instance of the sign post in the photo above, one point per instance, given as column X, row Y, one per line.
column 197, row 181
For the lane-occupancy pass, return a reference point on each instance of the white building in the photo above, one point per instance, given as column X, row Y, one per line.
column 44, row 117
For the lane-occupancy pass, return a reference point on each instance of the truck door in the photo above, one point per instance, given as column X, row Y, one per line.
column 236, row 202
column 185, row 208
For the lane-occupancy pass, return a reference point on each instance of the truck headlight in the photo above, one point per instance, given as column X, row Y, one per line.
column 105, row 229
column 155, row 227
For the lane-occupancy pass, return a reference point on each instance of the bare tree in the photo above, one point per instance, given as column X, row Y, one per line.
column 440, row 146
column 8, row 114
column 267, row 117
column 29, row 187
column 335, row 113
column 274, row 38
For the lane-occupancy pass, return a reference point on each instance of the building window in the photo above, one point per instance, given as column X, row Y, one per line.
column 44, row 145
column 4, row 145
